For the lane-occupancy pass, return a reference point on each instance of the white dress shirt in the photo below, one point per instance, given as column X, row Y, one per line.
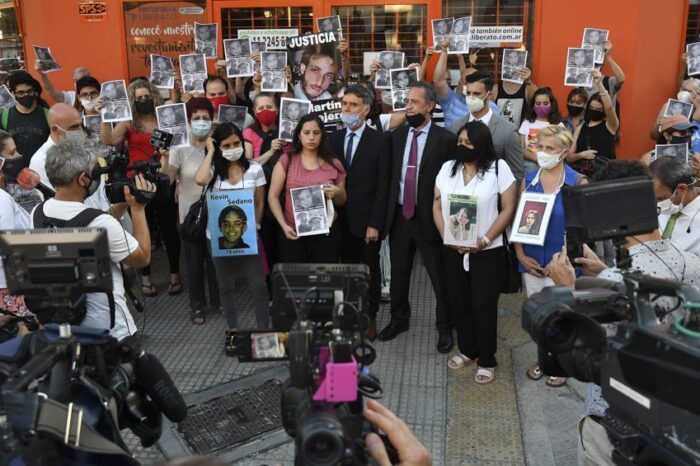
column 686, row 233
column 484, row 119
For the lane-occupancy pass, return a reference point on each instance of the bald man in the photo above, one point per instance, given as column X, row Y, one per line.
column 57, row 94
column 64, row 123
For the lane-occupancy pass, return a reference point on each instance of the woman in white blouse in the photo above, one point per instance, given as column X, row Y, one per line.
column 476, row 274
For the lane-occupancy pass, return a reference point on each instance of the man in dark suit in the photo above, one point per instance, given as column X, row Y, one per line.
column 367, row 161
column 418, row 153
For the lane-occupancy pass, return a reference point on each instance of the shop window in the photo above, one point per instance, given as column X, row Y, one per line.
column 233, row 19
column 11, row 52
column 384, row 27
column 693, row 30
column 494, row 13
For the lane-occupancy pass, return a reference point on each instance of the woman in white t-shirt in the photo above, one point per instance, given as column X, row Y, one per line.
column 12, row 217
column 181, row 165
column 543, row 112
column 475, row 275
column 233, row 170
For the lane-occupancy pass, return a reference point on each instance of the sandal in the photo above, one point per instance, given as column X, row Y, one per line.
column 458, row 361
column 534, row 372
column 149, row 290
column 556, row 381
column 175, row 288
column 484, row 375
column 197, row 317
column 231, row 341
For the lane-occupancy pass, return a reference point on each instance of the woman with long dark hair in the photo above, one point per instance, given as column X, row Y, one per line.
column 310, row 163
column 225, row 153
column 543, row 112
column 476, row 275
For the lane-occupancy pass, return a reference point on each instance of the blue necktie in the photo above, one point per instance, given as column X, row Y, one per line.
column 348, row 151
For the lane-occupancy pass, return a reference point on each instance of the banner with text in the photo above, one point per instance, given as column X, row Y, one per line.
column 275, row 39
column 495, row 36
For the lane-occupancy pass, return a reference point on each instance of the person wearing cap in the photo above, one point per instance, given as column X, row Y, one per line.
column 675, row 129
column 678, row 202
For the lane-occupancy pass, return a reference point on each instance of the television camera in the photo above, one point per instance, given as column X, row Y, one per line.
column 67, row 392
column 318, row 319
column 649, row 373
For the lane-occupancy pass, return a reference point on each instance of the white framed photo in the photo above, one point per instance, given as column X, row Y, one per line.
column 172, row 119
column 309, row 207
column 693, row 59
column 532, row 218
column 677, row 107
column 513, row 62
column 461, row 220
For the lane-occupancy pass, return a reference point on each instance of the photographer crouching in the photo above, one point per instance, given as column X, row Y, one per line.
column 75, row 174
column 652, row 256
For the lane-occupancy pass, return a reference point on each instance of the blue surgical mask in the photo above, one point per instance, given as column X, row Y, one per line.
column 201, row 128
column 351, row 120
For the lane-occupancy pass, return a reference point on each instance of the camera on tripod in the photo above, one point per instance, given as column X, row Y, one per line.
column 318, row 319
column 649, row 373
column 121, row 174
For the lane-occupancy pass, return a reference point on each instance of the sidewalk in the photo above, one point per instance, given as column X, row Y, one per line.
column 510, row 421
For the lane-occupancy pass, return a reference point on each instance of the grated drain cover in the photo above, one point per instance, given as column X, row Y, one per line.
column 233, row 419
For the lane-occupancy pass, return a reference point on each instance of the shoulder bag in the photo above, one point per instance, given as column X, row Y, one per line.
column 514, row 279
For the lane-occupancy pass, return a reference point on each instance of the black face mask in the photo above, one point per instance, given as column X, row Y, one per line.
column 464, row 154
column 144, row 107
column 679, row 140
column 595, row 115
column 26, row 101
column 415, row 120
column 574, row 110
column 11, row 168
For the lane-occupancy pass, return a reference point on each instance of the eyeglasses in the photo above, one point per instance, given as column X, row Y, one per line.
column 144, row 97
column 25, row 93
column 91, row 95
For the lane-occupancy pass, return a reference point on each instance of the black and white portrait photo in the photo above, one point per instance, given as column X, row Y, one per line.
column 579, row 77
column 461, row 26
column 595, row 39
column 242, row 66
column 193, row 69
column 291, row 111
column 513, row 62
column 693, row 60
column 459, row 45
column 232, row 114
column 92, row 125
column 580, row 58
column 676, row 107
column 205, row 39
column 330, row 24
column 43, row 55
column 257, row 46
column 234, row 48
column 672, row 150
column 309, row 207
column 441, row 28
column 7, row 100
column 388, row 60
column 398, row 97
column 173, row 119
column 511, row 109
column 162, row 73
column 403, row 78
column 115, row 105
column 273, row 61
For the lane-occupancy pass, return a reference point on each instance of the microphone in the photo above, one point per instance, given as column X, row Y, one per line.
column 153, row 377
column 29, row 179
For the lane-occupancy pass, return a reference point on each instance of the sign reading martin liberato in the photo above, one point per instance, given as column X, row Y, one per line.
column 162, row 28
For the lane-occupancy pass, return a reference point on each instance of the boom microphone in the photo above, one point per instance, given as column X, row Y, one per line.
column 29, row 179
column 153, row 377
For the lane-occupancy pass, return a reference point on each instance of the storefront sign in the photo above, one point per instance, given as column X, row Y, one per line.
column 92, row 12
column 276, row 39
column 161, row 28
column 495, row 36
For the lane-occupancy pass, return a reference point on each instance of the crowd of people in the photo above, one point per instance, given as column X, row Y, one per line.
column 390, row 176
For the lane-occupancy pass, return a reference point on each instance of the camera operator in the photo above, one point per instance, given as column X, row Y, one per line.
column 651, row 255
column 70, row 170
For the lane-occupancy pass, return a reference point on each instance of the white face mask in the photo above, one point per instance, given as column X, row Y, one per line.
column 668, row 207
column 232, row 154
column 548, row 161
column 474, row 104
column 88, row 104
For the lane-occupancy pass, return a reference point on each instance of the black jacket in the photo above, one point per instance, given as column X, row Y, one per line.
column 367, row 182
column 438, row 146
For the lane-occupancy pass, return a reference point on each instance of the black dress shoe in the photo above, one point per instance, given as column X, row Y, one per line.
column 445, row 342
column 391, row 331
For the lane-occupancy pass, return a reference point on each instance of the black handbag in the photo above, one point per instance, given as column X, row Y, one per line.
column 194, row 227
column 514, row 279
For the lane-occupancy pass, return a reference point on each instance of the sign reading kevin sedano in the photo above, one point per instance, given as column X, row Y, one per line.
column 231, row 223
column 315, row 63
column 495, row 36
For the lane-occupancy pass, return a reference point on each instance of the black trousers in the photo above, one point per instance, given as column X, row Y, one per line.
column 199, row 260
column 404, row 238
column 473, row 299
column 355, row 251
column 317, row 249
column 165, row 214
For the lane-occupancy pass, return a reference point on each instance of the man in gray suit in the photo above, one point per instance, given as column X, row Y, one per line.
column 479, row 84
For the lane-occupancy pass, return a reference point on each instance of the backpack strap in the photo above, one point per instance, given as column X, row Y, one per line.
column 4, row 118
column 82, row 220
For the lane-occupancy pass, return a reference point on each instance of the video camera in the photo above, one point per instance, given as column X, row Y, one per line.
column 121, row 174
column 319, row 318
column 649, row 373
column 66, row 392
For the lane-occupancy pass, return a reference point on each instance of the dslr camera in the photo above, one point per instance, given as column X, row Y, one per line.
column 120, row 173
column 649, row 373
column 318, row 319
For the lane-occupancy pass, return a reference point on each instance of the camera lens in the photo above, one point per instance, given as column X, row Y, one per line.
column 560, row 333
column 321, row 440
